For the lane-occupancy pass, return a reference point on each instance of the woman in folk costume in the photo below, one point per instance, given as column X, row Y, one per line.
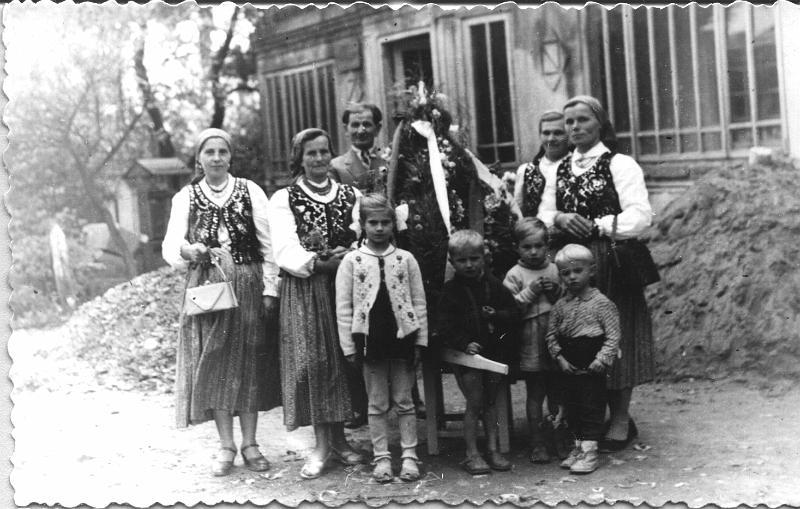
column 311, row 230
column 600, row 197
column 226, row 363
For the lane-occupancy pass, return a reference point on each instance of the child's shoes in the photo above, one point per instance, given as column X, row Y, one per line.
column 382, row 472
column 539, row 454
column 588, row 461
column 475, row 465
column 409, row 472
column 573, row 456
column 498, row 462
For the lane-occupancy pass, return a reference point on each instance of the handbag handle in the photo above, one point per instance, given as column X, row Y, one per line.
column 614, row 240
column 215, row 263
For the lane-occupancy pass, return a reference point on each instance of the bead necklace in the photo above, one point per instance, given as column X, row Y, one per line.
column 325, row 189
column 219, row 190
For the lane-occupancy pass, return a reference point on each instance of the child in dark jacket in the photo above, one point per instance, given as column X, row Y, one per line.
column 477, row 315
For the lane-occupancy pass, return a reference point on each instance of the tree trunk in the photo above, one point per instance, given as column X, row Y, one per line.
column 217, row 89
column 163, row 138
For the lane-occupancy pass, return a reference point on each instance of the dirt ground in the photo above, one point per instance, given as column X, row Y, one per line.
column 723, row 442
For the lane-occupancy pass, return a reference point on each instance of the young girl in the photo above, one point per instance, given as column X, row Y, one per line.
column 382, row 318
column 534, row 283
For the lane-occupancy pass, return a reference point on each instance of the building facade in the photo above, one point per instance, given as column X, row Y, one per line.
column 687, row 88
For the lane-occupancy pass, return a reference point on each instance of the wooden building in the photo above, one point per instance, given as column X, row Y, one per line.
column 687, row 88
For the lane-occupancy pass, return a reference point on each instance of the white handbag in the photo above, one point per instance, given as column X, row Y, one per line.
column 210, row 297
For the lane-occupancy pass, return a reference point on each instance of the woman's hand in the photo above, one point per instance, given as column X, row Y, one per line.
column 270, row 306
column 574, row 224
column 474, row 348
column 329, row 266
column 195, row 253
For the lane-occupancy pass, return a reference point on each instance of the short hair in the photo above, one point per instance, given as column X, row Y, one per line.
column 298, row 146
column 377, row 116
column 463, row 239
column 574, row 253
column 528, row 226
column 375, row 202
column 550, row 116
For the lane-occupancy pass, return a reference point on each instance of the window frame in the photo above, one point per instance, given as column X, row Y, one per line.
column 508, row 26
column 724, row 126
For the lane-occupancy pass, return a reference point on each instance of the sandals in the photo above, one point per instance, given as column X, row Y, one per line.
column 313, row 467
column 347, row 457
column 221, row 467
column 410, row 470
column 382, row 472
column 475, row 465
column 257, row 463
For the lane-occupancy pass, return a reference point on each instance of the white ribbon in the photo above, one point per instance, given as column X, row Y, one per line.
column 495, row 182
column 425, row 129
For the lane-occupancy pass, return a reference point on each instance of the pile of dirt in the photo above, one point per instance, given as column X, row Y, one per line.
column 130, row 333
column 728, row 302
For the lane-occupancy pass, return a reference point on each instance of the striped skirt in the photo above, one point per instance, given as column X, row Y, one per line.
column 227, row 360
column 637, row 364
column 313, row 376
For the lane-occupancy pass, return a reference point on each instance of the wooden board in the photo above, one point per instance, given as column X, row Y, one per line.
column 472, row 361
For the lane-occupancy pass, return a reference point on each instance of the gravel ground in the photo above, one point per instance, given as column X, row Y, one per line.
column 727, row 442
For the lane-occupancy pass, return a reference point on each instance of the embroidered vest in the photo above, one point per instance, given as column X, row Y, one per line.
column 591, row 194
column 532, row 188
column 237, row 216
column 322, row 226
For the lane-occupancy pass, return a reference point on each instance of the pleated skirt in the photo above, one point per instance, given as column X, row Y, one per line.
column 227, row 360
column 313, row 377
column 637, row 365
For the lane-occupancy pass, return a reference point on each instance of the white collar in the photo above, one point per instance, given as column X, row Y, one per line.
column 596, row 151
column 366, row 250
column 310, row 189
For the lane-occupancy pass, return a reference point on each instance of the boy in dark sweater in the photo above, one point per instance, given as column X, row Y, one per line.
column 477, row 315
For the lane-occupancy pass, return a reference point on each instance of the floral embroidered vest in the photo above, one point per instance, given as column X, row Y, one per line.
column 532, row 188
column 591, row 194
column 323, row 226
column 237, row 216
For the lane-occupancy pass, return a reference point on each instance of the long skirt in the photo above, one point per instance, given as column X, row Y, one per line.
column 636, row 366
column 227, row 360
column 313, row 376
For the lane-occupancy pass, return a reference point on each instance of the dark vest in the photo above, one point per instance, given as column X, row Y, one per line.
column 591, row 194
column 237, row 216
column 322, row 226
column 532, row 188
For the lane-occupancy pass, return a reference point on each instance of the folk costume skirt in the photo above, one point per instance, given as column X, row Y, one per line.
column 313, row 376
column 636, row 366
column 227, row 360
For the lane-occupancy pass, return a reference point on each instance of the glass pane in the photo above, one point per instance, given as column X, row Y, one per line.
column 741, row 138
column 618, row 83
column 712, row 141
column 480, row 72
column 766, row 65
column 707, row 67
column 506, row 154
column 502, row 89
column 624, row 145
column 486, row 154
column 683, row 43
column 596, row 51
column 736, row 17
column 642, row 56
column 668, row 144
column 769, row 136
column 647, row 145
column 689, row 143
column 666, row 118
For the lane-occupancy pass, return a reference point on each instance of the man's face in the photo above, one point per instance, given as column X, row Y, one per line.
column 362, row 129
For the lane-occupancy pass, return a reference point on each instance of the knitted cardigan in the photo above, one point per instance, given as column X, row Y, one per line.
column 357, row 283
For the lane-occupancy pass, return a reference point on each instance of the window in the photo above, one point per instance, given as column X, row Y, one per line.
column 494, row 126
column 686, row 80
column 297, row 99
column 407, row 62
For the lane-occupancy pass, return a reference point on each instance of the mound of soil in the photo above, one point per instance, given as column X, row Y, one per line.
column 130, row 332
column 728, row 301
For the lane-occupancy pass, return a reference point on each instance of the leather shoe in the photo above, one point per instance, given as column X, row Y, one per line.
column 256, row 463
column 221, row 467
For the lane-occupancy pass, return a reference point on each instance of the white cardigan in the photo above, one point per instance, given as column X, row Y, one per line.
column 357, row 284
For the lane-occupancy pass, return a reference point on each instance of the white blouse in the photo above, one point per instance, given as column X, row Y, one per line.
column 178, row 230
column 548, row 169
column 290, row 255
column 636, row 215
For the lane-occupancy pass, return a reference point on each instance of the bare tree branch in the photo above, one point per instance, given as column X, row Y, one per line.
column 122, row 139
column 217, row 90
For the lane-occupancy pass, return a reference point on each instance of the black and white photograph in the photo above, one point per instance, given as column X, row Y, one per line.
column 376, row 254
